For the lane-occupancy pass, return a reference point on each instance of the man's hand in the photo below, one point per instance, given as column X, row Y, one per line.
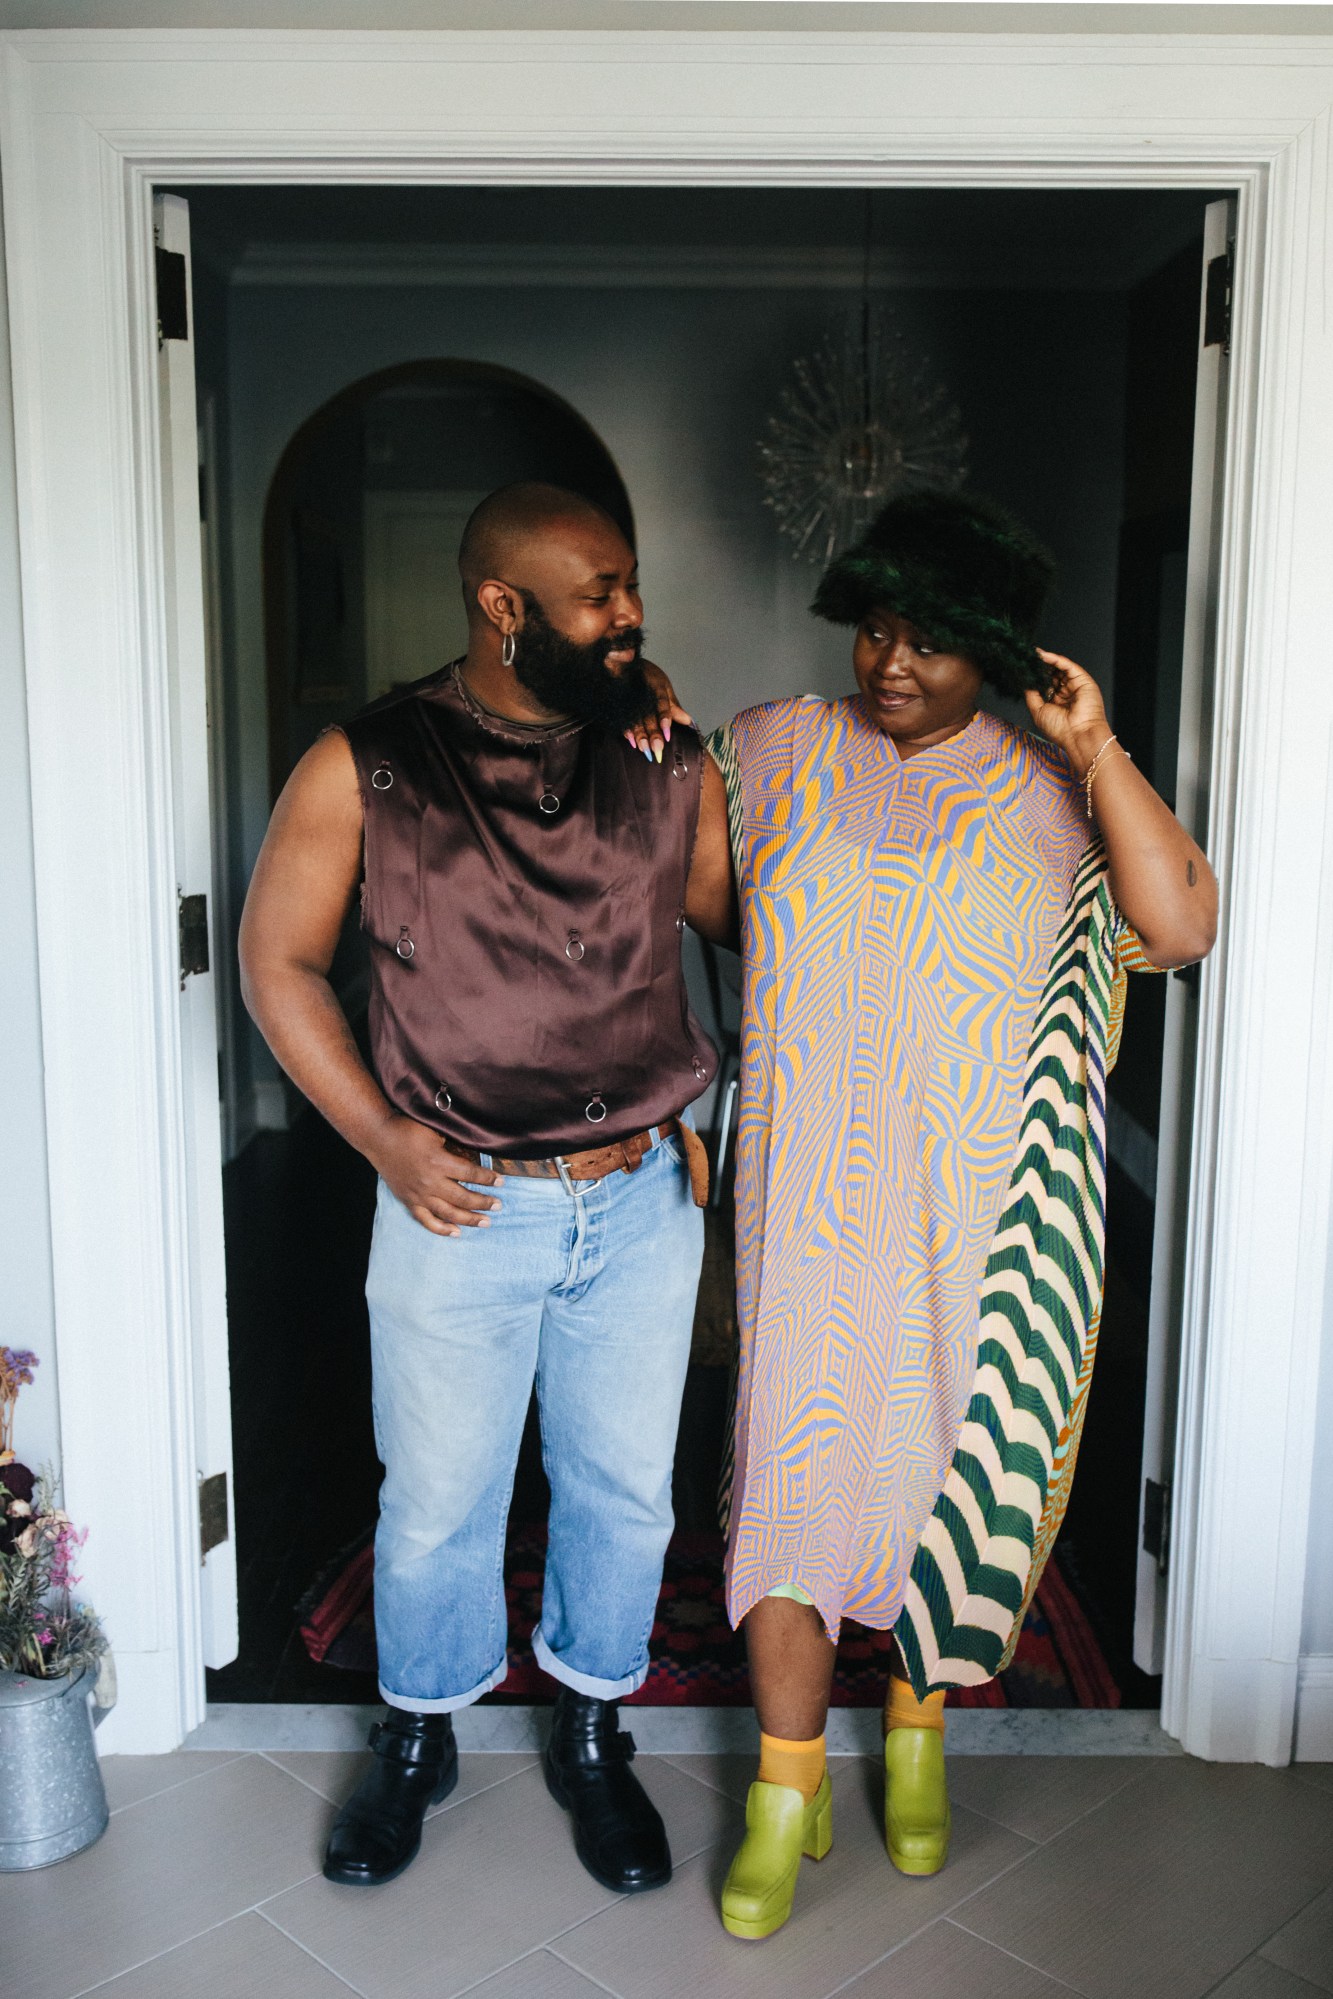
column 417, row 1166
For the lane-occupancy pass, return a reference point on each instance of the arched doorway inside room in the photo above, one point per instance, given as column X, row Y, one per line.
column 362, row 525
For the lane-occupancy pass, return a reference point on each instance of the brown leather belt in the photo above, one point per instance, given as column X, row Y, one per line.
column 624, row 1156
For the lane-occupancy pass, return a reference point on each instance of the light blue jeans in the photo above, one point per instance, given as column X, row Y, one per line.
column 591, row 1294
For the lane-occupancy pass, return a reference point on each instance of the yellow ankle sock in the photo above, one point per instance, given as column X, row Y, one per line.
column 904, row 1710
column 800, row 1765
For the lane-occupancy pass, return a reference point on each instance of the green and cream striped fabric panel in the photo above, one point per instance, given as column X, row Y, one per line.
column 984, row 1547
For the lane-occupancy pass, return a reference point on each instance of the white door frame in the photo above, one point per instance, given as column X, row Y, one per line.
column 91, row 121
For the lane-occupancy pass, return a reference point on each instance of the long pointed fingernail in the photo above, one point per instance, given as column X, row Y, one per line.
column 666, row 728
column 647, row 752
column 657, row 752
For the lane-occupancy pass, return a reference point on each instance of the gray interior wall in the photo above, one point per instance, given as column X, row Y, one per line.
column 27, row 1316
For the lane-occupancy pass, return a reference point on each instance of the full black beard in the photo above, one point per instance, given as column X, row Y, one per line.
column 570, row 679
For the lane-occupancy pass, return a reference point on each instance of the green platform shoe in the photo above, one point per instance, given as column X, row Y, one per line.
column 916, row 1800
column 779, row 1828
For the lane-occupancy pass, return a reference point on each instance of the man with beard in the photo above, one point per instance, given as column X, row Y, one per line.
column 524, row 879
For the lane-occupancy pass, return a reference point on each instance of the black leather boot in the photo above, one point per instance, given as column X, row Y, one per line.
column 377, row 1832
column 618, row 1832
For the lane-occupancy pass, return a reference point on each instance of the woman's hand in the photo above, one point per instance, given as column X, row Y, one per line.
column 654, row 733
column 1074, row 715
column 1159, row 877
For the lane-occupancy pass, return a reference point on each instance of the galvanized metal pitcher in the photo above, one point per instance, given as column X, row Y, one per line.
column 52, row 1798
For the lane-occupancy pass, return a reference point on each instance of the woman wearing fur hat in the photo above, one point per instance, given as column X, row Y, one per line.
column 937, row 909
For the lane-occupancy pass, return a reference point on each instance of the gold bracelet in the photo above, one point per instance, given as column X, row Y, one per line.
column 1112, row 742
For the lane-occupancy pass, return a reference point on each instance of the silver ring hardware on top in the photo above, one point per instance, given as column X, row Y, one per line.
column 443, row 1098
column 574, row 946
column 548, row 802
column 405, row 947
column 382, row 777
column 595, row 1111
column 679, row 767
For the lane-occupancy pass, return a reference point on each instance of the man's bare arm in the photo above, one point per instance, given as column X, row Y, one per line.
column 710, row 892
column 308, row 871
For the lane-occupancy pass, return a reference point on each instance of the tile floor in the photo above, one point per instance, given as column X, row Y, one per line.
column 1116, row 1878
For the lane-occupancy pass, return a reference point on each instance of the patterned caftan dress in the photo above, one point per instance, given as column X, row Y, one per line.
column 900, row 921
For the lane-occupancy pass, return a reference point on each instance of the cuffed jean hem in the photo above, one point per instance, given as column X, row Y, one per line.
column 413, row 1704
column 584, row 1683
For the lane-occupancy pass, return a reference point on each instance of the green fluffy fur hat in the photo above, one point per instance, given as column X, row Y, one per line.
column 969, row 577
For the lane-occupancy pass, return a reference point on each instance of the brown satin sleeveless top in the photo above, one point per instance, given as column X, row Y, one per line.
column 524, row 899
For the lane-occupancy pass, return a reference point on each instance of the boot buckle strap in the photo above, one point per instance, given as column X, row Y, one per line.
column 392, row 1747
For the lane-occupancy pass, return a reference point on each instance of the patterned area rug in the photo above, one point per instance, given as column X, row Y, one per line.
column 697, row 1659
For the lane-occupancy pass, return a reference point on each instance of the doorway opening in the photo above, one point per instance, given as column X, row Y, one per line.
column 659, row 326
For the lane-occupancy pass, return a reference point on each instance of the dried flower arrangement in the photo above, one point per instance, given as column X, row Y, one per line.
column 44, row 1631
column 16, row 1366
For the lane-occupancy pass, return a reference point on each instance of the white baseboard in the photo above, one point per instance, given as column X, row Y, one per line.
column 682, row 1731
column 269, row 1102
column 1236, row 1710
column 264, row 1106
column 1314, row 1708
column 147, row 1719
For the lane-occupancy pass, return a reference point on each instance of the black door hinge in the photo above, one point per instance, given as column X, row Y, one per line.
column 1157, row 1522
column 1218, row 289
column 173, row 307
column 192, row 921
column 213, row 1527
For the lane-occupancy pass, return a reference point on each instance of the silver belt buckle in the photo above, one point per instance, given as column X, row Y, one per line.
column 567, row 1180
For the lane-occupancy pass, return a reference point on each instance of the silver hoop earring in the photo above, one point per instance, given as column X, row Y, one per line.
column 507, row 650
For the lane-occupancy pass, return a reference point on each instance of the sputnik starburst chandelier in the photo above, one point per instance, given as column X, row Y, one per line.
column 860, row 419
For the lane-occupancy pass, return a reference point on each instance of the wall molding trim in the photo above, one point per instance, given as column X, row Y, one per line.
column 92, row 122
column 1314, row 1709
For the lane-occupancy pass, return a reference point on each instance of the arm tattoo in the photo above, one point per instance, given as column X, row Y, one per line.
column 1191, row 873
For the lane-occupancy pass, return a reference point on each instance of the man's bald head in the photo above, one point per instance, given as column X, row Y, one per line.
column 505, row 534
column 555, row 619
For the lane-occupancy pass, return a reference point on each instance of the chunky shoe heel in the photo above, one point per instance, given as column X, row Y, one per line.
column 779, row 1828
column 917, row 1819
column 819, row 1838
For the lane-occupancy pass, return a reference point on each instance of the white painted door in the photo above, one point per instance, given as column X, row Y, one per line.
column 206, row 1302
column 1180, row 1040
